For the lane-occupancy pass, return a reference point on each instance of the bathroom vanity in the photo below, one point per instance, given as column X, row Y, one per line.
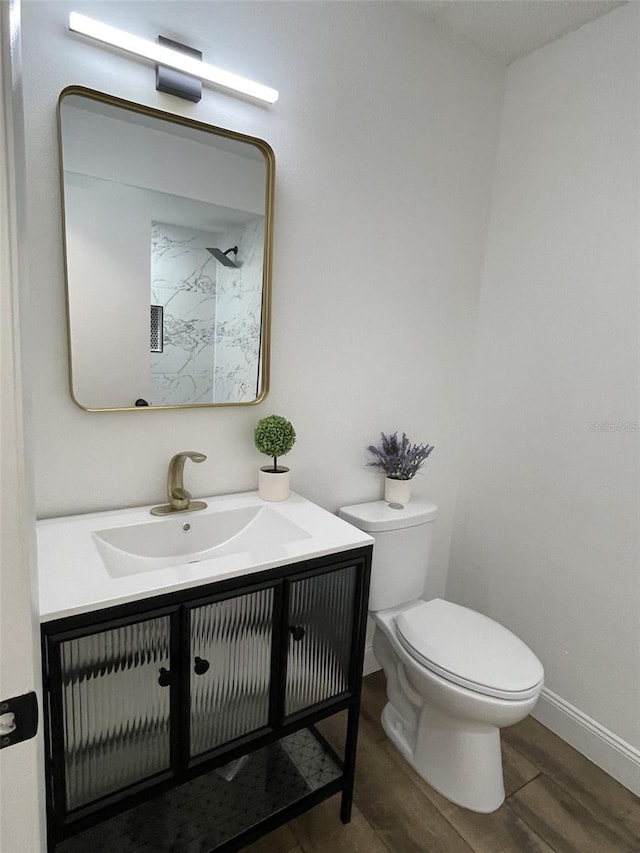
column 185, row 688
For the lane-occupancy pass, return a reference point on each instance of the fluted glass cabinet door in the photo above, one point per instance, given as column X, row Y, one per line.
column 115, row 708
column 320, row 635
column 230, row 668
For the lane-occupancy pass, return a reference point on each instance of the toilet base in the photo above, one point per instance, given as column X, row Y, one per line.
column 396, row 730
column 449, row 734
column 462, row 764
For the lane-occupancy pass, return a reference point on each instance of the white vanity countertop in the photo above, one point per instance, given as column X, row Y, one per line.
column 73, row 578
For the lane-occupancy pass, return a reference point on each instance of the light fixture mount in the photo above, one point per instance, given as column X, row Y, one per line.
column 175, row 82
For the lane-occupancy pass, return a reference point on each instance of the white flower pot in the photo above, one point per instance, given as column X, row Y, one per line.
column 397, row 491
column 273, row 485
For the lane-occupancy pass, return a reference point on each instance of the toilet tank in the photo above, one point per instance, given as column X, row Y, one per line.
column 401, row 550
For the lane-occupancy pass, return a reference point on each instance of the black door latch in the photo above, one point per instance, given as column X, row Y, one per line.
column 18, row 719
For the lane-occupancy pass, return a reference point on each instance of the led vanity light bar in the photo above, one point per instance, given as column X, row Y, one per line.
column 171, row 58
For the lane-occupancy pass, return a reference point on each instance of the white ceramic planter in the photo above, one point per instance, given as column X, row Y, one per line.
column 397, row 491
column 273, row 485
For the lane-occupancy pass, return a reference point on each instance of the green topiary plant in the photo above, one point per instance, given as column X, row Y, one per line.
column 275, row 436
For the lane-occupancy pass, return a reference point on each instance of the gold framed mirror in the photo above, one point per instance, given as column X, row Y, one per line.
column 168, row 227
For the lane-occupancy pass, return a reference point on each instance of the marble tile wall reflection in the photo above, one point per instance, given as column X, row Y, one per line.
column 183, row 281
column 212, row 315
column 239, row 316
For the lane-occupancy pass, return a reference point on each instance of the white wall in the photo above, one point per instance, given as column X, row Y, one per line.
column 546, row 534
column 136, row 152
column 108, row 256
column 384, row 136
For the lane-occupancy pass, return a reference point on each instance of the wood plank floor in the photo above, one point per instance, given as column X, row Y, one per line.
column 557, row 802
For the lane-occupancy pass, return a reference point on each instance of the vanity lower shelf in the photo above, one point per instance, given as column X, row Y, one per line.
column 214, row 812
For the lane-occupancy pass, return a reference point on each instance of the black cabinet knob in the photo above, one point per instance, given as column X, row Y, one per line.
column 297, row 632
column 164, row 678
column 200, row 666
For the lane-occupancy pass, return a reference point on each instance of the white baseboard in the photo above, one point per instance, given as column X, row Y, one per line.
column 614, row 755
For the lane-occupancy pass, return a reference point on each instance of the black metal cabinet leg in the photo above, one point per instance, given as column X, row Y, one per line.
column 345, row 804
column 350, row 748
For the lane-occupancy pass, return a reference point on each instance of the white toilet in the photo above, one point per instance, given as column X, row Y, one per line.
column 454, row 676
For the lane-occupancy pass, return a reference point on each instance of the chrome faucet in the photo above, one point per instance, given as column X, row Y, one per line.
column 179, row 497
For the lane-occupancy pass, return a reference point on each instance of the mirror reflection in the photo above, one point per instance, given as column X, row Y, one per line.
column 168, row 253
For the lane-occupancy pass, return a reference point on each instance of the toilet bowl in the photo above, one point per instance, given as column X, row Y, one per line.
column 454, row 676
column 446, row 725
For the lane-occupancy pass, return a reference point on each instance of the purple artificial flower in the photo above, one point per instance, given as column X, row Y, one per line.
column 400, row 460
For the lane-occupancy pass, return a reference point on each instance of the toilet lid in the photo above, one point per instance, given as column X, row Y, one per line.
column 470, row 649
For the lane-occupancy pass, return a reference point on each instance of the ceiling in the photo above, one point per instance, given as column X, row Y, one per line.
column 508, row 29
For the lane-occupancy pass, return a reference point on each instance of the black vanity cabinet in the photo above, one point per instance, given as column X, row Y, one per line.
column 204, row 700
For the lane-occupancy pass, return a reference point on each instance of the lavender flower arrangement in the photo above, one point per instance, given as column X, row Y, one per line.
column 399, row 459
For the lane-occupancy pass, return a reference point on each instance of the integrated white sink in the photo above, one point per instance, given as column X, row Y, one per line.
column 93, row 561
column 192, row 537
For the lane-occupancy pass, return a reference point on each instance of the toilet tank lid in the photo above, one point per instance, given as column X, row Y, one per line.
column 377, row 516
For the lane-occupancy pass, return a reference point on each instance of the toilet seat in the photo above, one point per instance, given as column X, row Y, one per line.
column 469, row 649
